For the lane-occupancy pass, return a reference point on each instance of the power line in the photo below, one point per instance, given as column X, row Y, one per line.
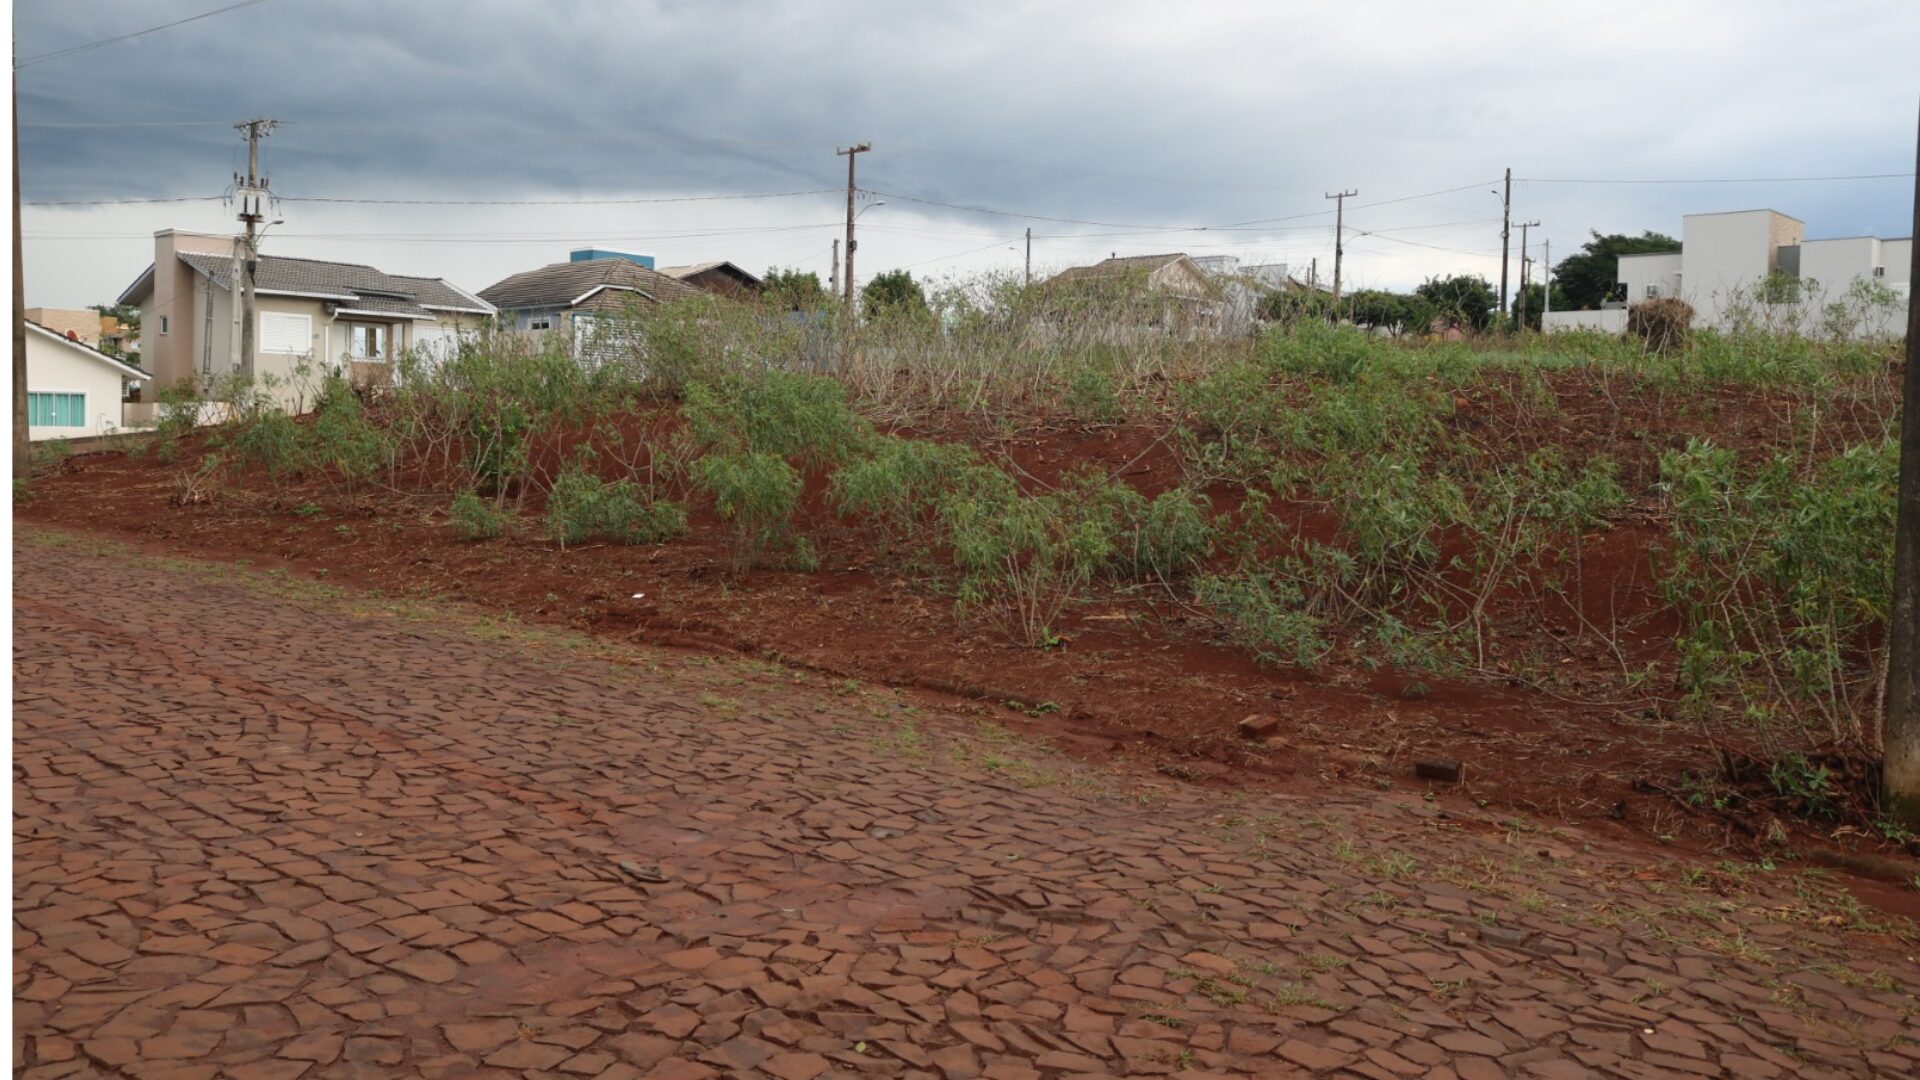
column 341, row 200
column 58, row 53
column 128, row 202
column 1721, row 180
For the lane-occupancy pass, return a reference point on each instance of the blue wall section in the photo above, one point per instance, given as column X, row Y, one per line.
column 584, row 254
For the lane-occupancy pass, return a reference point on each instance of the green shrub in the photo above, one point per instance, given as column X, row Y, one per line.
column 1783, row 578
column 756, row 494
column 1174, row 536
column 900, row 486
column 581, row 506
column 1267, row 614
column 475, row 518
column 343, row 441
column 802, row 418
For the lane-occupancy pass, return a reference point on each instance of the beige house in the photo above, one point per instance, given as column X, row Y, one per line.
column 74, row 391
column 313, row 318
column 1168, row 293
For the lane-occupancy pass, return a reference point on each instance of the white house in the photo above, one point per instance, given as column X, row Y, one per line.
column 73, row 390
column 1726, row 259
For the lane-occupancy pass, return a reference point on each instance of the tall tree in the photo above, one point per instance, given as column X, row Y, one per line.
column 893, row 294
column 1466, row 300
column 1589, row 275
column 795, row 290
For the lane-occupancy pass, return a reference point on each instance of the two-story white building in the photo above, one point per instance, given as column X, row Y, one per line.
column 1757, row 265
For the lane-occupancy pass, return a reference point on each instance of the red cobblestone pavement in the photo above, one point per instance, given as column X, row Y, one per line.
column 262, row 834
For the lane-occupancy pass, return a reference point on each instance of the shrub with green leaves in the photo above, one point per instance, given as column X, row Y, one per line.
column 581, row 506
column 799, row 418
column 1783, row 578
column 475, row 518
column 1267, row 614
column 756, row 494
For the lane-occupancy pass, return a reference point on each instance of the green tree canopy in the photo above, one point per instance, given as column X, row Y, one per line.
column 1588, row 276
column 1536, row 298
column 893, row 294
column 1399, row 312
column 794, row 290
column 1466, row 300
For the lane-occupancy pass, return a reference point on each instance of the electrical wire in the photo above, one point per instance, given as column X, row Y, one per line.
column 56, row 54
column 1720, row 180
column 345, row 201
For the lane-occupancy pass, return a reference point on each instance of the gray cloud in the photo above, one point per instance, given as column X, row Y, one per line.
column 1121, row 112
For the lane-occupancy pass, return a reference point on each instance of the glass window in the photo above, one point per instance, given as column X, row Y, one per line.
column 367, row 341
column 56, row 410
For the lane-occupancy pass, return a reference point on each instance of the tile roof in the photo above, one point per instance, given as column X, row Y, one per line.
column 354, row 285
column 1133, row 266
column 561, row 285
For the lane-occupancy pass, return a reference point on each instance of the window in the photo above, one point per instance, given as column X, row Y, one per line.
column 281, row 332
column 1653, row 292
column 1879, row 271
column 163, row 324
column 367, row 341
column 56, row 410
column 539, row 322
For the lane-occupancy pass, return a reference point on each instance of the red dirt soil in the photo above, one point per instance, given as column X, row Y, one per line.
column 1139, row 674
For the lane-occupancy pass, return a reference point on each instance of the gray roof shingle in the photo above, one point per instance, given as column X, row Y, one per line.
column 354, row 285
column 559, row 285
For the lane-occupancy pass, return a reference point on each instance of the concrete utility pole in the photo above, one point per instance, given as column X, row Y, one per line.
column 1029, row 254
column 846, row 283
column 1339, row 233
column 1520, row 300
column 1900, row 768
column 22, row 448
column 252, row 196
column 1546, row 282
column 1506, row 224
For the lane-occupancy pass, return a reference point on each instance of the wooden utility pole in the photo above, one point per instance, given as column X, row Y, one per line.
column 1029, row 254
column 1900, row 769
column 1520, row 299
column 251, row 193
column 1506, row 227
column 846, row 281
column 1339, row 234
column 22, row 448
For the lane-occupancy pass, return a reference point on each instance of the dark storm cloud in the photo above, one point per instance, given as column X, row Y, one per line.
column 1135, row 113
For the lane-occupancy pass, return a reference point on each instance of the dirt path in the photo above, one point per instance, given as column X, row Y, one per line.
column 262, row 831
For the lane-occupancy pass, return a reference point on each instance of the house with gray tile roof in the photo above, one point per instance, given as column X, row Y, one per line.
column 313, row 317
column 549, row 298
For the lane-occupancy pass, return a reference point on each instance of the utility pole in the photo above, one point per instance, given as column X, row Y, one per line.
column 1339, row 229
column 1520, row 300
column 1506, row 224
column 1029, row 254
column 251, row 193
column 22, row 448
column 833, row 272
column 1313, row 273
column 1900, row 767
column 846, row 282
column 1546, row 282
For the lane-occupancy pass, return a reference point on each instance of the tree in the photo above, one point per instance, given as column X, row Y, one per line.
column 1466, row 300
column 1398, row 312
column 794, row 290
column 1588, row 276
column 1536, row 298
column 1288, row 307
column 893, row 294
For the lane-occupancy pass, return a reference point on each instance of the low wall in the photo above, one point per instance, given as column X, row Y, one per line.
column 1606, row 320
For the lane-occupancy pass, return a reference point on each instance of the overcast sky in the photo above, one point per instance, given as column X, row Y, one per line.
column 1123, row 118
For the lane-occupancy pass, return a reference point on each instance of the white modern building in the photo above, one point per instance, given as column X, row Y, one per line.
column 1755, row 267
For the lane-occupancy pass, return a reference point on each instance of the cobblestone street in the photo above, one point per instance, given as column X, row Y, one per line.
column 263, row 831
